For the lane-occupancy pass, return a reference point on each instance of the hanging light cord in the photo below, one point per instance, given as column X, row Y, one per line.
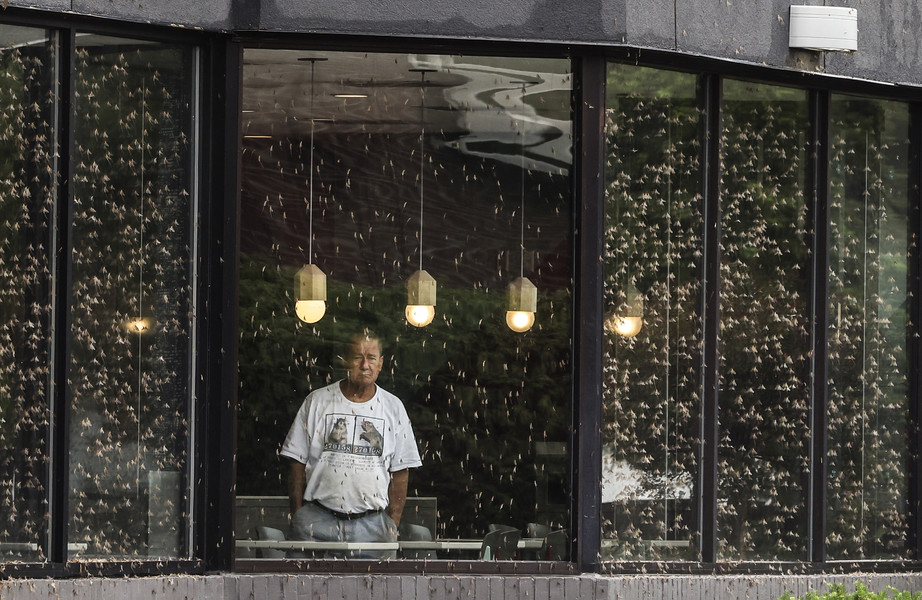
column 310, row 206
column 141, row 208
column 140, row 323
column 522, row 186
column 422, row 159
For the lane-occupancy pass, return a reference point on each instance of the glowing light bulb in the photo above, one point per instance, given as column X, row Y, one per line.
column 520, row 320
column 627, row 319
column 521, row 303
column 626, row 326
column 420, row 299
column 420, row 315
column 310, row 311
column 137, row 325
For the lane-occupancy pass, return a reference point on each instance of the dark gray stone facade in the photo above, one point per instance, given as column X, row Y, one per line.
column 748, row 31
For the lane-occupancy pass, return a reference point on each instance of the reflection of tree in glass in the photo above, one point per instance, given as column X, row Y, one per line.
column 868, row 286
column 131, row 251
column 480, row 397
column 652, row 242
column 490, row 408
column 764, row 334
column 26, row 205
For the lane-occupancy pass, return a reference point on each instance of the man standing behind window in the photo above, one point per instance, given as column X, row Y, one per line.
column 351, row 446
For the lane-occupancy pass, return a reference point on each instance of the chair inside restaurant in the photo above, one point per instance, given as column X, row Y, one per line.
column 416, row 533
column 536, row 530
column 500, row 544
column 270, row 533
column 555, row 546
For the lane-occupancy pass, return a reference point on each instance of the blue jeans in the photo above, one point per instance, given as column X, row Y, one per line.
column 312, row 523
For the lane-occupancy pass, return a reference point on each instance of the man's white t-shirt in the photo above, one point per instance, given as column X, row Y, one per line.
column 349, row 449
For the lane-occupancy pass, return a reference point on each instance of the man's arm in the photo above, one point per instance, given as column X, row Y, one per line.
column 296, row 483
column 397, row 494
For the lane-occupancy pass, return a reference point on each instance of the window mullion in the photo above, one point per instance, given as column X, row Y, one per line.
column 707, row 494
column 60, row 397
column 586, row 467
column 819, row 310
column 214, row 510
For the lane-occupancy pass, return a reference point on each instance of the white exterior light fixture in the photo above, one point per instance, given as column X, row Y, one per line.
column 821, row 28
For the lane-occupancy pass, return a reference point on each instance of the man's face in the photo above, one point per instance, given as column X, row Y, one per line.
column 363, row 362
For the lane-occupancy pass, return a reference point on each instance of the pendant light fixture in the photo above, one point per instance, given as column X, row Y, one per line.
column 310, row 281
column 521, row 295
column 421, row 285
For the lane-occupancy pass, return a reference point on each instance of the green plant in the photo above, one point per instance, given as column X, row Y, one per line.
column 837, row 592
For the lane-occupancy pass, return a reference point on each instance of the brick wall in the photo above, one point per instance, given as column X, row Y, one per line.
column 442, row 587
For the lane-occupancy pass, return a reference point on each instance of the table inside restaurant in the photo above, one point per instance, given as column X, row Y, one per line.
column 442, row 545
column 32, row 547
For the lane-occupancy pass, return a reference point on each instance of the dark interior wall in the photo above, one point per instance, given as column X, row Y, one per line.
column 755, row 31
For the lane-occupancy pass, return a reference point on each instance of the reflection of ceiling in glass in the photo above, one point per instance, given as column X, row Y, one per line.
column 17, row 37
column 92, row 40
column 368, row 202
column 476, row 104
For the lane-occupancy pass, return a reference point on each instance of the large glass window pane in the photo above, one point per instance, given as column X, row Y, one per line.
column 132, row 301
column 765, row 258
column 27, row 202
column 371, row 167
column 867, row 513
column 652, row 280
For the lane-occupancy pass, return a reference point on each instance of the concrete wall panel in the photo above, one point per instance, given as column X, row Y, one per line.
column 889, row 46
column 447, row 587
column 52, row 5
column 646, row 24
column 214, row 15
column 548, row 20
column 754, row 31
column 750, row 30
